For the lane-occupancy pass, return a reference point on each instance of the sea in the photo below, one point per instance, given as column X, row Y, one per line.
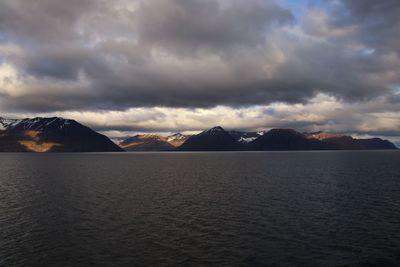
column 329, row 208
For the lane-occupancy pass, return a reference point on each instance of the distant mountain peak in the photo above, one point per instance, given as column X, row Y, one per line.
column 214, row 139
column 214, row 130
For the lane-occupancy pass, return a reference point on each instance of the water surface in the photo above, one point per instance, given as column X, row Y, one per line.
column 216, row 209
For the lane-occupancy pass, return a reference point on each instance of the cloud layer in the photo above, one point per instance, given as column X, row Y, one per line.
column 103, row 57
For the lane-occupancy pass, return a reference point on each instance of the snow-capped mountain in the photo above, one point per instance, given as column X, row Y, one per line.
column 51, row 135
column 214, row 131
column 40, row 124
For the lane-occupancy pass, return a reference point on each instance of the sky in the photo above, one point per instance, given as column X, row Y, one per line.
column 123, row 67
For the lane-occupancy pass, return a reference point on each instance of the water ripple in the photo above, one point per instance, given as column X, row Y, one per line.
column 201, row 209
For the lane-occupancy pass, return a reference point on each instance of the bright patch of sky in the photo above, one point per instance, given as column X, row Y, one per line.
column 299, row 6
column 368, row 51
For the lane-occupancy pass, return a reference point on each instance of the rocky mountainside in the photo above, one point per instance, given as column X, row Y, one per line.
column 51, row 135
column 177, row 139
column 153, row 142
column 146, row 142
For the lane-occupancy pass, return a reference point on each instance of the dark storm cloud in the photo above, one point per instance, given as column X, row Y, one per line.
column 378, row 21
column 59, row 63
column 207, row 24
column 113, row 55
column 42, row 21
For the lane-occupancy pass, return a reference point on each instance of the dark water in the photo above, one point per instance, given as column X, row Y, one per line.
column 209, row 209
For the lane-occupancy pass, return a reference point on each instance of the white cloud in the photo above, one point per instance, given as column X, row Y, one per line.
column 10, row 84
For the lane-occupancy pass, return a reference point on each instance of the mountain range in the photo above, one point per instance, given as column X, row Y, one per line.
column 278, row 140
column 63, row 135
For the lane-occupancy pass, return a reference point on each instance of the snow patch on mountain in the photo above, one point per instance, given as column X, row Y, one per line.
column 247, row 140
column 7, row 123
column 246, row 137
column 176, row 137
column 214, row 131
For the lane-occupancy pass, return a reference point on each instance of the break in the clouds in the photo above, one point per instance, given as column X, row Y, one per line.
column 93, row 59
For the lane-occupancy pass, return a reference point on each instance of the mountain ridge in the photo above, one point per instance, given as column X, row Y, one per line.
column 281, row 140
column 57, row 134
column 146, row 142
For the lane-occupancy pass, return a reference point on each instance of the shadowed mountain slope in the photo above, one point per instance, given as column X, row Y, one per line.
column 214, row 139
column 51, row 135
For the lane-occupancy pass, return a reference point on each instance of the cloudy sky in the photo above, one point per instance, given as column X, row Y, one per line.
column 124, row 66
